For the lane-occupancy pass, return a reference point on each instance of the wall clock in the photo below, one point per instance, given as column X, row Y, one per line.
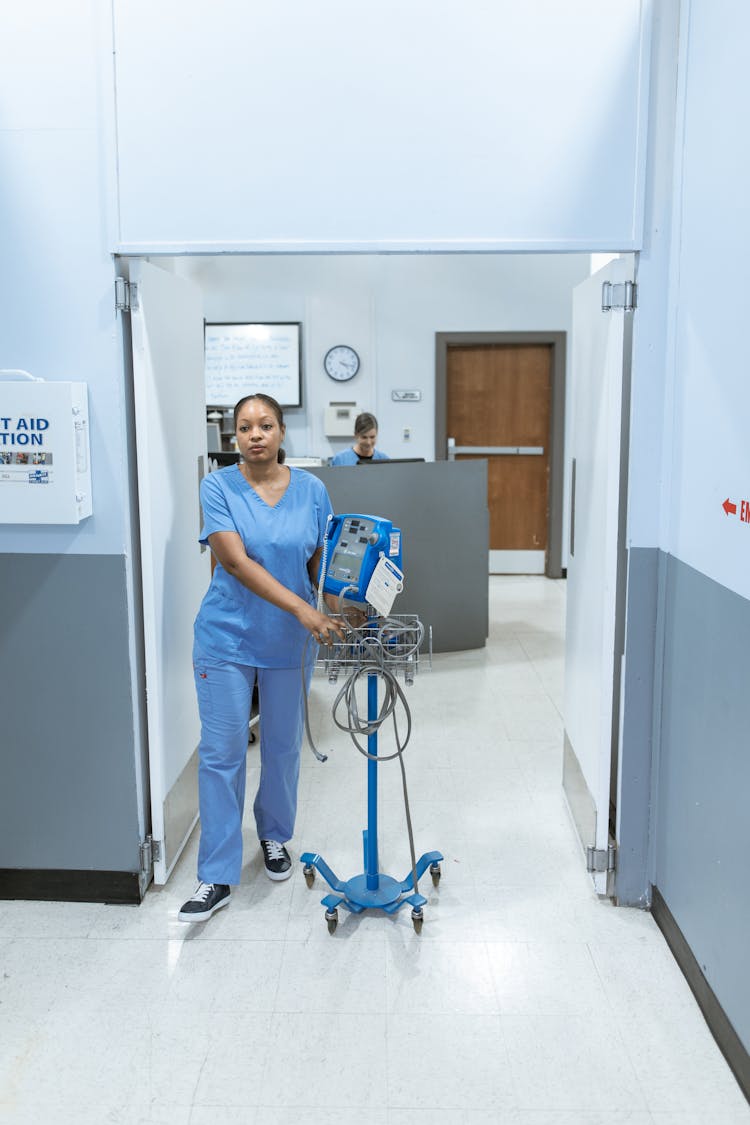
column 341, row 363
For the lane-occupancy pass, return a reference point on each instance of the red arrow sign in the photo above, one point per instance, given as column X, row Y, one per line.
column 729, row 507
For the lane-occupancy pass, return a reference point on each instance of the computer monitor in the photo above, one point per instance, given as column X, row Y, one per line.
column 390, row 461
column 213, row 437
column 221, row 460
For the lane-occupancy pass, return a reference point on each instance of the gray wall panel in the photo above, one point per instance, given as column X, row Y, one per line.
column 68, row 796
column 704, row 781
column 441, row 508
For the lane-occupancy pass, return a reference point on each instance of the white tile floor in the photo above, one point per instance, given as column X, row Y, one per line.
column 524, row 1001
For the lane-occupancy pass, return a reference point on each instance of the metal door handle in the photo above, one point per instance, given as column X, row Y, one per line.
column 573, row 508
column 494, row 450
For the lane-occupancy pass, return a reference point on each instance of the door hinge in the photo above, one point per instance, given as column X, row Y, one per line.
column 126, row 295
column 150, row 851
column 601, row 859
column 622, row 295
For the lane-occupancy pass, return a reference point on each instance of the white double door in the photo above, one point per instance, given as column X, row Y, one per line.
column 597, row 457
column 167, row 328
column 169, row 391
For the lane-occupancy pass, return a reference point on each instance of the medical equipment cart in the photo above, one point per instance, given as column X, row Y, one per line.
column 383, row 649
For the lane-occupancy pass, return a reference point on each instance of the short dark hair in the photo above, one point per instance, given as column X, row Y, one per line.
column 273, row 405
column 365, row 422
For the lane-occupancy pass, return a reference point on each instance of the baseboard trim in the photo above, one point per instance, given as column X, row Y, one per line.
column 726, row 1037
column 116, row 887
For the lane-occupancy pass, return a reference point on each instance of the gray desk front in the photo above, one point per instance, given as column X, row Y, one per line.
column 441, row 508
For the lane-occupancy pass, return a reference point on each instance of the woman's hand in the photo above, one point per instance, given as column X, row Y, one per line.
column 355, row 616
column 322, row 628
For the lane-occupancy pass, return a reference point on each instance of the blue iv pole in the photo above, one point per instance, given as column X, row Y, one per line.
column 372, row 889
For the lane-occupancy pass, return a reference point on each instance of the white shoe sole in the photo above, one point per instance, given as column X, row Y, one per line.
column 204, row 914
column 278, row 876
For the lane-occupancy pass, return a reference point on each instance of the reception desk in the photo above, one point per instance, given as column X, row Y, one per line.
column 441, row 508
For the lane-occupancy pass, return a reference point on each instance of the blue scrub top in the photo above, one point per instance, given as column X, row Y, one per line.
column 349, row 457
column 233, row 623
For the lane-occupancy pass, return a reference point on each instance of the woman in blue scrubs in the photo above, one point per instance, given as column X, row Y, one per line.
column 264, row 522
column 365, row 436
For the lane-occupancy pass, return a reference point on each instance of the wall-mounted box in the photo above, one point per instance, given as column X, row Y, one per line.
column 340, row 418
column 45, row 468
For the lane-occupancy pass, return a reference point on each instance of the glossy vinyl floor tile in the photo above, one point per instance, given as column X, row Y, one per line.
column 448, row 1061
column 524, row 1000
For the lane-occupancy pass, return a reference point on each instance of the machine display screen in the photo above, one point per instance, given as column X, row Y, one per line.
column 350, row 550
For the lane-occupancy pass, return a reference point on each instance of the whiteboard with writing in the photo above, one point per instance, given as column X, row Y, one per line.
column 243, row 359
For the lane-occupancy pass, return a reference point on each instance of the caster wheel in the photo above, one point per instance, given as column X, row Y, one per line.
column 309, row 872
column 332, row 918
column 435, row 872
column 417, row 918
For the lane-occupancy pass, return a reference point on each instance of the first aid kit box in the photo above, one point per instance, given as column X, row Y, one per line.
column 45, row 468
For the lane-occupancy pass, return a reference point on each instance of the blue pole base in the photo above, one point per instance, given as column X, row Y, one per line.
column 356, row 895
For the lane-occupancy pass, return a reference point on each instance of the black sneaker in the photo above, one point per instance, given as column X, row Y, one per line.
column 277, row 861
column 209, row 898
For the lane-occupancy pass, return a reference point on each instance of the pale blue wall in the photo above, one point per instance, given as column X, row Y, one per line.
column 701, row 769
column 651, row 325
column 389, row 307
column 431, row 124
column 57, row 308
column 708, row 459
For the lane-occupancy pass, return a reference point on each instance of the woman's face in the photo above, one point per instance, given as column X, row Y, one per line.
column 365, row 443
column 258, row 432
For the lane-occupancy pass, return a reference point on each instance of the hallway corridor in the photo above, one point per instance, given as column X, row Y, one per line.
column 524, row 1001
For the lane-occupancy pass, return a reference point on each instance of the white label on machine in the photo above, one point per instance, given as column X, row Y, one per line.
column 387, row 581
column 395, row 543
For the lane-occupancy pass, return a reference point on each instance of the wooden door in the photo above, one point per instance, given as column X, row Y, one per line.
column 498, row 400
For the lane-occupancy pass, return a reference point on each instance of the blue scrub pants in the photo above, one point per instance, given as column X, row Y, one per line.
column 224, row 698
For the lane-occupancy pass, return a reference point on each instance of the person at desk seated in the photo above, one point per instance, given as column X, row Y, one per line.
column 365, row 436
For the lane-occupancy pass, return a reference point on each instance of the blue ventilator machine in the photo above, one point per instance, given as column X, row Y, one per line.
column 361, row 566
